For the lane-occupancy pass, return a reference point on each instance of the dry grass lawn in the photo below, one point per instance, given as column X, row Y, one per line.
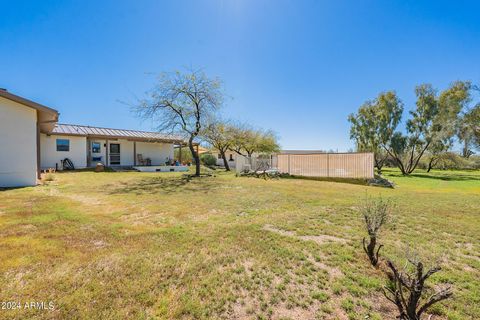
column 156, row 246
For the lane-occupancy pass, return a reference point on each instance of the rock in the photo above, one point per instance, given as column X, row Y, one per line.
column 100, row 167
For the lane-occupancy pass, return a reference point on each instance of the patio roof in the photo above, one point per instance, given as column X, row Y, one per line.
column 109, row 133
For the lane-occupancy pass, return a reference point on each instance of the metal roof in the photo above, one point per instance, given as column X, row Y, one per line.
column 98, row 132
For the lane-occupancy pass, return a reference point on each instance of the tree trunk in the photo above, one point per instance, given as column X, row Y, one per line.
column 466, row 153
column 195, row 156
column 430, row 164
column 378, row 164
column 370, row 250
column 225, row 162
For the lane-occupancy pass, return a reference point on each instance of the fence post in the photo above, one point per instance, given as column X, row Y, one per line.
column 328, row 165
column 288, row 164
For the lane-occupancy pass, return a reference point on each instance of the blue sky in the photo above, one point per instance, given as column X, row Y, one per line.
column 298, row 67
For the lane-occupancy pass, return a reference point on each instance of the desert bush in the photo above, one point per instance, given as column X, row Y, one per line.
column 186, row 155
column 408, row 291
column 376, row 213
column 446, row 161
column 49, row 175
column 208, row 160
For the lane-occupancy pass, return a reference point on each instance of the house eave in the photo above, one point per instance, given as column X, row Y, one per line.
column 47, row 117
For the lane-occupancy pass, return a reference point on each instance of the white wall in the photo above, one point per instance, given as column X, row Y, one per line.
column 227, row 155
column 126, row 153
column 157, row 152
column 18, row 144
column 50, row 156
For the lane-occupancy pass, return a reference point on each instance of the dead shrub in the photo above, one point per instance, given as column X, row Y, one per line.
column 407, row 288
column 376, row 213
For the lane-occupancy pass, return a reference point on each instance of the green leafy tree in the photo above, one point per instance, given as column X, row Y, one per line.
column 219, row 135
column 431, row 127
column 245, row 141
column 373, row 126
column 469, row 131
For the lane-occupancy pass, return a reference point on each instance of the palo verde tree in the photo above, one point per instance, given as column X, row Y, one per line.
column 219, row 135
column 469, row 131
column 431, row 126
column 183, row 102
column 374, row 124
column 246, row 140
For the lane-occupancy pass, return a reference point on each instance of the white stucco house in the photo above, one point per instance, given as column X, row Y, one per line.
column 31, row 140
column 231, row 158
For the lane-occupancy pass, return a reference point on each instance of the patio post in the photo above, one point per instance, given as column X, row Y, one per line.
column 180, row 154
column 134, row 153
column 106, row 153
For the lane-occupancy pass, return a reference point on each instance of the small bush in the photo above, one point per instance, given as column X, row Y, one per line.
column 208, row 160
column 49, row 177
column 375, row 214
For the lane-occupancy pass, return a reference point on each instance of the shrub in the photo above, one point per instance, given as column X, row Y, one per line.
column 450, row 161
column 375, row 214
column 208, row 160
column 49, row 177
column 407, row 289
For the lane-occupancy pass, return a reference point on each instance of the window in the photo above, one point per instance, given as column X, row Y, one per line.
column 231, row 157
column 63, row 145
column 219, row 156
column 96, row 147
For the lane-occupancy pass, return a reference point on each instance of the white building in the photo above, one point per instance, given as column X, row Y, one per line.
column 231, row 158
column 21, row 123
column 31, row 139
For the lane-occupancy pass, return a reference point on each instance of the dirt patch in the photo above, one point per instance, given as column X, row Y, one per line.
column 108, row 264
column 269, row 227
column 320, row 239
column 139, row 216
column 19, row 230
column 281, row 312
column 248, row 265
column 16, row 279
column 87, row 200
column 333, row 272
column 99, row 244
column 247, row 307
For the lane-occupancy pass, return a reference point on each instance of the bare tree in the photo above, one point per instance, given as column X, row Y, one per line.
column 408, row 290
column 183, row 102
column 375, row 214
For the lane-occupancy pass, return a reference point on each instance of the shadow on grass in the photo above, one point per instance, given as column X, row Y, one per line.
column 447, row 176
column 362, row 182
column 451, row 177
column 166, row 185
column 2, row 189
